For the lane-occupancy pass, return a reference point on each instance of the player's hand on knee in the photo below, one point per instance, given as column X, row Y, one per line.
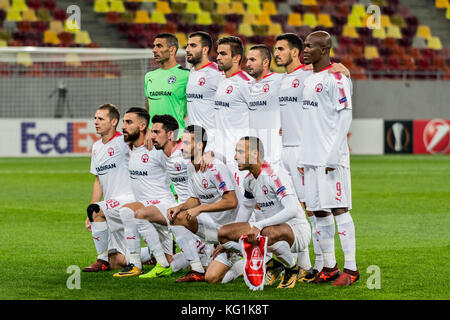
column 88, row 225
column 218, row 250
column 172, row 213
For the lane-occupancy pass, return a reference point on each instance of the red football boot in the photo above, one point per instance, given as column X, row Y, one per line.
column 327, row 275
column 97, row 266
column 347, row 278
column 192, row 276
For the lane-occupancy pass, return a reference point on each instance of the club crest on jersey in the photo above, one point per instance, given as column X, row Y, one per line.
column 144, row 158
column 256, row 260
column 111, row 151
column 171, row 79
column 229, row 89
column 177, row 166
column 265, row 190
column 266, row 87
column 295, row 83
column 205, row 183
column 201, row 81
column 319, row 87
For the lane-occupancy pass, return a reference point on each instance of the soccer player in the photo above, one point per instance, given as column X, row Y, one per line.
column 281, row 219
column 288, row 48
column 150, row 184
column 165, row 87
column 204, row 78
column 326, row 116
column 230, row 102
column 213, row 202
column 263, row 105
column 109, row 164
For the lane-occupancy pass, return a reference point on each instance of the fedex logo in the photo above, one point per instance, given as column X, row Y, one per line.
column 70, row 140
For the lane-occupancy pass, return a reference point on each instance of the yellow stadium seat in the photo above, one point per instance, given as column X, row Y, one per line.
column 269, row 8
column 222, row 1
column 379, row 33
column 4, row 4
column 13, row 15
column 158, row 17
column 310, row 19
column 163, row 6
column 434, row 43
column 331, row 53
column 24, row 58
column 254, row 8
column 71, row 26
column 358, row 10
column 29, row 15
column 19, row 5
column 193, row 7
column 237, row 7
column 179, row 1
column 56, row 26
column 309, row 2
column 371, row 52
column 447, row 13
column 423, row 31
column 354, row 21
column 83, row 37
column 324, row 19
column 393, row 32
column 182, row 40
column 142, row 17
column 263, row 20
column 204, row 18
column 249, row 18
column 223, row 8
column 51, row 37
column 101, row 6
column 385, row 21
column 117, row 6
column 73, row 59
column 275, row 29
column 442, row 4
column 245, row 29
column 294, row 19
column 3, row 43
column 349, row 31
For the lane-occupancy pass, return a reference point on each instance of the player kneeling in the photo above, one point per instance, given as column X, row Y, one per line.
column 281, row 218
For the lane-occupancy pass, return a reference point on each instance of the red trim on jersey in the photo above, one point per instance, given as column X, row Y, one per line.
column 117, row 134
column 268, row 169
column 206, row 65
column 326, row 67
column 299, row 67
column 242, row 74
column 338, row 76
column 269, row 74
column 222, row 184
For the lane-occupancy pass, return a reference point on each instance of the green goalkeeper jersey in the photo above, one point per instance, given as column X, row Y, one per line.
column 166, row 92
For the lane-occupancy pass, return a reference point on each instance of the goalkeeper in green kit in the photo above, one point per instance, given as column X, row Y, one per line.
column 165, row 88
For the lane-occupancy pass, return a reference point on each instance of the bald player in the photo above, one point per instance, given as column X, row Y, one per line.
column 326, row 115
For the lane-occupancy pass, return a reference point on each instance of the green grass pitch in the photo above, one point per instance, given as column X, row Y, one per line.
column 401, row 213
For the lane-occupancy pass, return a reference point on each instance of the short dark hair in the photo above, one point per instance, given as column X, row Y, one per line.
column 113, row 113
column 169, row 123
column 205, row 39
column 141, row 113
column 293, row 40
column 171, row 39
column 255, row 142
column 199, row 134
column 236, row 45
column 264, row 51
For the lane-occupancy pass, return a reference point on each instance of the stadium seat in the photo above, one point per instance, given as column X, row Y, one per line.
column 254, row 8
column 29, row 15
column 112, row 17
column 349, row 31
column 249, row 19
column 398, row 20
column 419, row 43
column 13, row 15
column 158, row 17
column 223, row 8
column 294, row 19
column 310, row 19
column 182, row 39
column 56, row 26
column 393, row 31
column 3, row 43
column 51, row 37
column 34, row 4
column 442, row 4
column 379, row 33
column 423, row 31
column 218, row 19
column 447, row 13
column 385, row 21
column 4, row 4
column 237, row 7
column 275, row 29
column 263, row 20
column 207, row 5
column 371, row 52
column 101, row 6
column 19, row 5
column 309, row 2
column 117, row 6
column 24, row 58
column 434, row 43
column 43, row 14
column 164, row 7
column 354, row 21
column 82, row 37
column 269, row 8
column 204, row 18
column 66, row 38
column 245, row 29
column 324, row 19
column 358, row 10
column 142, row 17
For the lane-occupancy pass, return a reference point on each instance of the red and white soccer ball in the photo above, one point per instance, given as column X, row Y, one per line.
column 436, row 136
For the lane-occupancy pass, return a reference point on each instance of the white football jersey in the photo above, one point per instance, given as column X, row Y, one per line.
column 147, row 169
column 271, row 186
column 209, row 186
column 232, row 122
column 324, row 95
column 264, row 114
column 200, row 92
column 177, row 170
column 109, row 161
column 290, row 99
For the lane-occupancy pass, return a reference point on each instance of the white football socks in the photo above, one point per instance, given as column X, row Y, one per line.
column 282, row 251
column 318, row 261
column 100, row 237
column 148, row 232
column 346, row 231
column 235, row 271
column 132, row 238
column 186, row 242
column 325, row 231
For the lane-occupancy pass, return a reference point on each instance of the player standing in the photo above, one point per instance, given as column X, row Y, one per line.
column 109, row 164
column 230, row 102
column 281, row 218
column 325, row 120
column 204, row 78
